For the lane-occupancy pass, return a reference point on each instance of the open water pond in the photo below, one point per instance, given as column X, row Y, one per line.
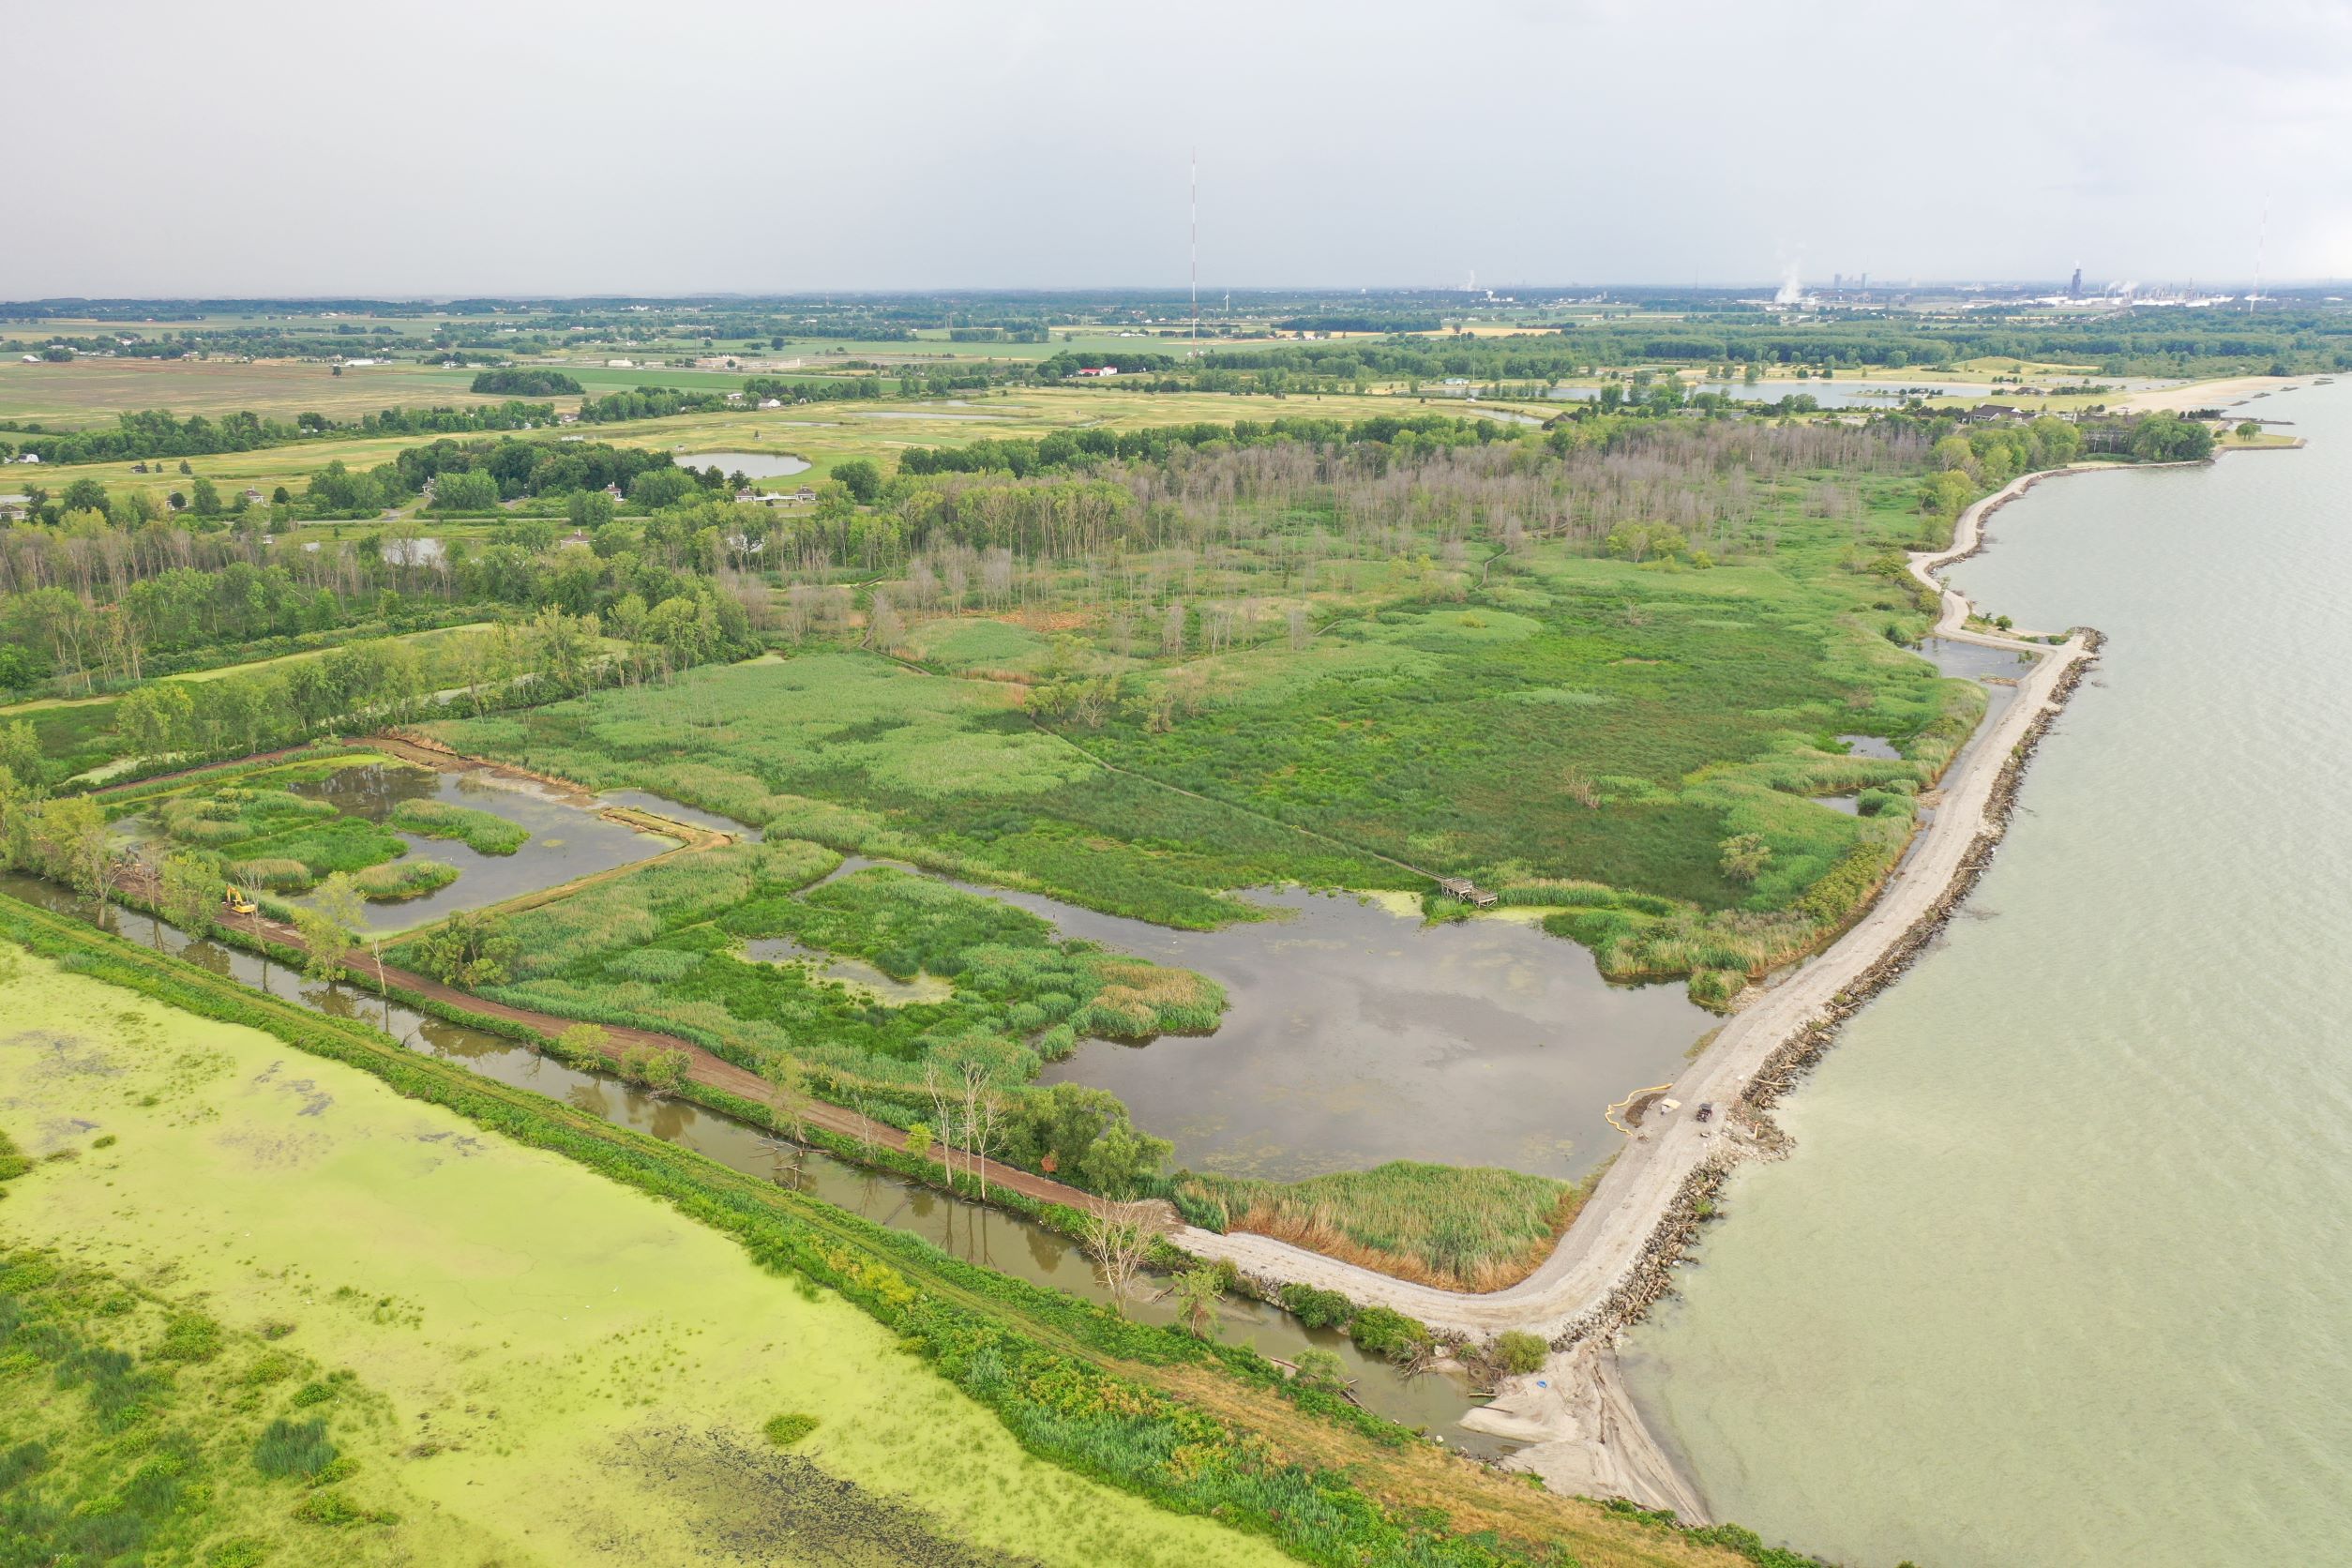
column 972, row 1232
column 1973, row 661
column 757, row 465
column 1358, row 1035
column 566, row 840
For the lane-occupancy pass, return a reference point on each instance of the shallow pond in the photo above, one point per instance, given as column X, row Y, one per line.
column 757, row 465
column 972, row 1232
column 566, row 840
column 854, row 973
column 1973, row 661
column 1358, row 1035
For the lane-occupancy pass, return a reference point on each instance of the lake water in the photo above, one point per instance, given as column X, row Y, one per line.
column 2059, row 1272
column 754, row 465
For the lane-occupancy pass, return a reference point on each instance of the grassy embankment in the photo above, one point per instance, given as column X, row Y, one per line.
column 1200, row 1428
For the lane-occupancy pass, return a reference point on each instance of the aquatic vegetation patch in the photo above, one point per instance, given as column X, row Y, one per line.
column 324, row 846
column 483, row 832
column 405, row 879
column 142, row 1429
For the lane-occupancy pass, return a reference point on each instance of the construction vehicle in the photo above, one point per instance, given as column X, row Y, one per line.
column 239, row 901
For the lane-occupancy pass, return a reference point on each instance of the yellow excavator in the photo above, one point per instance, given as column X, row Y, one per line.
column 238, row 900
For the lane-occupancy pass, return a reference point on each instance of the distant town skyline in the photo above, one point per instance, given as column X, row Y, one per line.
column 258, row 148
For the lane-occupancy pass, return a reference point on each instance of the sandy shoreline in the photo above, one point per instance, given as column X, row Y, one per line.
column 1617, row 1258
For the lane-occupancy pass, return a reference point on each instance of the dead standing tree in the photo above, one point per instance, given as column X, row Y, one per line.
column 1117, row 1238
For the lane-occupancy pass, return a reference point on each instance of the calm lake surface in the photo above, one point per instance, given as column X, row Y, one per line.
column 1358, row 1035
column 752, row 465
column 2058, row 1273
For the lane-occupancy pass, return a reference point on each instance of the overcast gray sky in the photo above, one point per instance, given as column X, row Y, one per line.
column 250, row 148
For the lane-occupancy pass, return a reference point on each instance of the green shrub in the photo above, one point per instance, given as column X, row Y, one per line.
column 1519, row 1352
column 1381, row 1330
column 786, row 1430
column 1317, row 1308
column 404, row 879
column 275, row 876
column 1321, row 1368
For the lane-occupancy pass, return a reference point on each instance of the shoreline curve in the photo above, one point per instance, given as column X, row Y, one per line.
column 1615, row 1260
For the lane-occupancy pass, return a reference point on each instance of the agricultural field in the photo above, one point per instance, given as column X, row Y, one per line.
column 89, row 392
column 824, row 433
column 406, row 1362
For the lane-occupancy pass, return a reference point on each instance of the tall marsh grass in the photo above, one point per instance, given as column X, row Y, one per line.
column 1461, row 1229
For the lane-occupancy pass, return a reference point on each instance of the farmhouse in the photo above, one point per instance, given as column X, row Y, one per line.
column 1098, row 369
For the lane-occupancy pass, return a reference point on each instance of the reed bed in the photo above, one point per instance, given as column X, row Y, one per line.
column 483, row 832
column 1459, row 1228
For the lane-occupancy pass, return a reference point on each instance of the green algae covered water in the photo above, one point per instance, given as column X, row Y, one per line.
column 2060, row 1271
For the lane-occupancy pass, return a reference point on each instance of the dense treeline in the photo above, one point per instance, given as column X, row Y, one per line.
column 838, row 389
column 1066, row 364
column 1068, row 448
column 526, row 382
column 2146, row 343
column 156, row 433
column 93, row 605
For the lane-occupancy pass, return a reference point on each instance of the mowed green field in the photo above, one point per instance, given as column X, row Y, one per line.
column 517, row 1360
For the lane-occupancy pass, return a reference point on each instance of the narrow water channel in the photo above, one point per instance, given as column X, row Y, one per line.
column 974, row 1232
